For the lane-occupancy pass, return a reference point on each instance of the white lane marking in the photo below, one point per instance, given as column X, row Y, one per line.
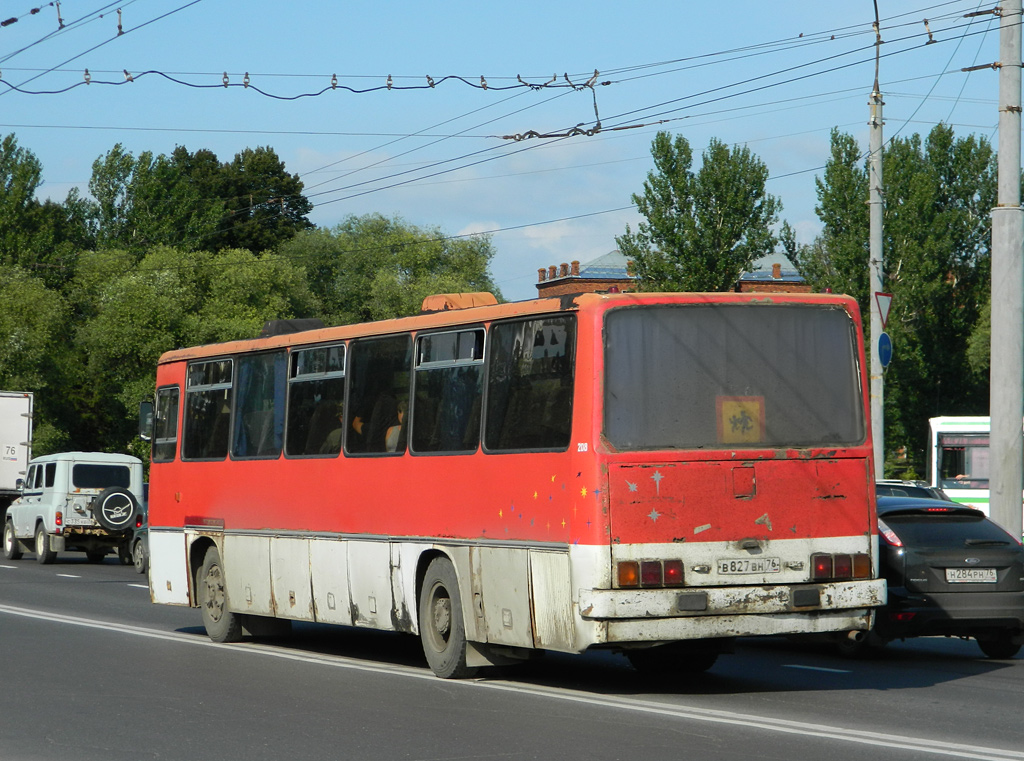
column 140, row 586
column 714, row 716
column 68, row 576
column 816, row 668
column 10, row 567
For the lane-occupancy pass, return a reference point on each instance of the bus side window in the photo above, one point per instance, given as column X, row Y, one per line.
column 165, row 434
column 316, row 391
column 530, row 384
column 449, row 389
column 259, row 414
column 378, row 386
column 207, row 410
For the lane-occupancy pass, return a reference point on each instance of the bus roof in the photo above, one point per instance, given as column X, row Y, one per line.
column 960, row 424
column 487, row 313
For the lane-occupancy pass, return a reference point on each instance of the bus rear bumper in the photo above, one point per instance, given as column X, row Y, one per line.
column 646, row 615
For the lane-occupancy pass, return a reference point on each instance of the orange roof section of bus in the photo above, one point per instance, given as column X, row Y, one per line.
column 446, row 310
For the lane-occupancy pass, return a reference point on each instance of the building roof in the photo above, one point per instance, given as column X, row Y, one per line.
column 610, row 266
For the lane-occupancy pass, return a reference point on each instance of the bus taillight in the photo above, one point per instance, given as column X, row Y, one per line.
column 650, row 573
column 629, row 573
column 827, row 567
column 673, row 573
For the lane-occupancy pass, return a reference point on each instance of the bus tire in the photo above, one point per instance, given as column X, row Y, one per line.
column 12, row 547
column 221, row 624
column 44, row 553
column 442, row 628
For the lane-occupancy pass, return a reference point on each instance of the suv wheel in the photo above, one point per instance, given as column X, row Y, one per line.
column 999, row 647
column 12, row 547
column 139, row 556
column 44, row 553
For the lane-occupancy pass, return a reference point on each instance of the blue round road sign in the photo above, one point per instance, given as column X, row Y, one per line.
column 884, row 349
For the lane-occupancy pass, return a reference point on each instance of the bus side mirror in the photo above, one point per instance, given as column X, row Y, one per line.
column 19, row 485
column 146, row 420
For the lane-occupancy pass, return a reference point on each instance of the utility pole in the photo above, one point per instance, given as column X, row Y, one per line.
column 875, row 256
column 1006, row 402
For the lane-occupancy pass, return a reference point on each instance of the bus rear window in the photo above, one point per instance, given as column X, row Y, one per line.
column 731, row 375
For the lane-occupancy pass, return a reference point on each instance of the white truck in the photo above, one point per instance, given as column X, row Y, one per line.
column 86, row 501
column 15, row 443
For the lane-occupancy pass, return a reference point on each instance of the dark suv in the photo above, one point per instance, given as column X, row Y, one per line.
column 950, row 571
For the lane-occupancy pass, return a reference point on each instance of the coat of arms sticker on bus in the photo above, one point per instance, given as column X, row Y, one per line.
column 740, row 419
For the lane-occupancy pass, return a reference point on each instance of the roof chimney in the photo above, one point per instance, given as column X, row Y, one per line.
column 776, row 271
column 541, row 275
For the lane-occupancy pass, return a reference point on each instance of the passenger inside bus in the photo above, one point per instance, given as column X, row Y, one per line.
column 395, row 434
column 332, row 442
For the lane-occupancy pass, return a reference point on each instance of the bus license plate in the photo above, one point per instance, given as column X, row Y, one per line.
column 749, row 565
column 971, row 575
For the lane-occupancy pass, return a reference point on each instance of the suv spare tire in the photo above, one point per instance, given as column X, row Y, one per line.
column 115, row 509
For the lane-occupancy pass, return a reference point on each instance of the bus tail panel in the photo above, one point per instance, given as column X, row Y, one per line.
column 758, row 500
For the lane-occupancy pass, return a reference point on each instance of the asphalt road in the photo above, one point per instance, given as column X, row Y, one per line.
column 91, row 670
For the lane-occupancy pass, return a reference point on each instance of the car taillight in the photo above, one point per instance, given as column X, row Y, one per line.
column 650, row 574
column 888, row 535
column 901, row 618
column 58, row 518
column 825, row 567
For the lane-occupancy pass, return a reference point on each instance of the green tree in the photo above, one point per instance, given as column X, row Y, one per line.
column 702, row 229
column 263, row 204
column 374, row 267
column 34, row 325
column 837, row 259
column 20, row 177
column 130, row 312
column 147, row 201
column 936, row 237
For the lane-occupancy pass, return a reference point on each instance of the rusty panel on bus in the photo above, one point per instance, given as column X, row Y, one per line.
column 724, row 501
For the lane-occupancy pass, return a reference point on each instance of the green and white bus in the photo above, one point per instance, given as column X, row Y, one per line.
column 958, row 460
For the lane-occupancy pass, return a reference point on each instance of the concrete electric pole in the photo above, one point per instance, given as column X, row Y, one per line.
column 1006, row 404
column 875, row 255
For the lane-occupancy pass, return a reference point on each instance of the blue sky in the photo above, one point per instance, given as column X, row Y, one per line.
column 773, row 76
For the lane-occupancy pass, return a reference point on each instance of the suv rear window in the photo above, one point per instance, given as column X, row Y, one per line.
column 85, row 476
column 953, row 530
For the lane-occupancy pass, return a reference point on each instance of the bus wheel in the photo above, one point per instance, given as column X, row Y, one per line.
column 44, row 554
column 442, row 629
column 221, row 624
column 12, row 547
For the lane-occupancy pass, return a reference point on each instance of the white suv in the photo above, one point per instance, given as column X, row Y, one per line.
column 86, row 501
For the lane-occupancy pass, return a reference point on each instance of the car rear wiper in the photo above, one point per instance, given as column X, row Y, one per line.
column 976, row 542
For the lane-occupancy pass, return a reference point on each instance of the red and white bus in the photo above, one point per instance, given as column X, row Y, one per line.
column 656, row 473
